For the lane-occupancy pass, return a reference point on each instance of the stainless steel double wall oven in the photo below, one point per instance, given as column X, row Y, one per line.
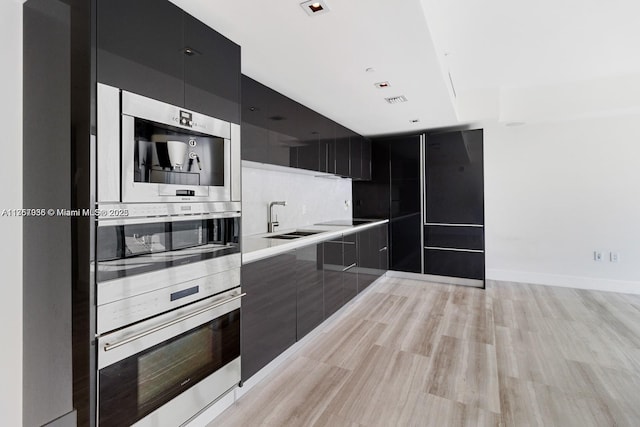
column 167, row 260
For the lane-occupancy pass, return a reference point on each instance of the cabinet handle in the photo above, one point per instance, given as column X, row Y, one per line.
column 383, row 249
column 350, row 267
column 109, row 346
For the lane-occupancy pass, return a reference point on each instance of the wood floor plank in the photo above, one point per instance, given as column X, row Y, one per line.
column 411, row 353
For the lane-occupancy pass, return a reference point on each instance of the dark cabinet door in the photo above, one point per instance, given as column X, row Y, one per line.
column 308, row 132
column 332, row 265
column 309, row 276
column 327, row 145
column 140, row 48
column 255, row 143
column 383, row 250
column 211, row 71
column 342, row 151
column 350, row 266
column 454, row 194
column 366, row 159
column 454, row 178
column 268, row 310
column 368, row 257
column 355, row 156
column 405, row 221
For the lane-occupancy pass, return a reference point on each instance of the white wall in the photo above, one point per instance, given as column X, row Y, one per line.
column 310, row 199
column 11, row 227
column 556, row 192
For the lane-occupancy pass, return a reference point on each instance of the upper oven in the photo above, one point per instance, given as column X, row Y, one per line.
column 149, row 151
column 150, row 265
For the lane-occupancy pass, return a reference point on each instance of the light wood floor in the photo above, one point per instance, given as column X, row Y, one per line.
column 410, row 353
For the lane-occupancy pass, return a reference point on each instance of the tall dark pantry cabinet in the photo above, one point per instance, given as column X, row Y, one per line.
column 431, row 187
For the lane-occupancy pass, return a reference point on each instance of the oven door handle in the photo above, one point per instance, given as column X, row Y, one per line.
column 109, row 346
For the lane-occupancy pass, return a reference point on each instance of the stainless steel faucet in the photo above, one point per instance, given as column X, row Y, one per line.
column 271, row 225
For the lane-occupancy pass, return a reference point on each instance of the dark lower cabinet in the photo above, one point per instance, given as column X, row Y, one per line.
column 383, row 251
column 350, row 266
column 332, row 268
column 463, row 264
column 372, row 255
column 289, row 295
column 310, row 287
column 268, row 310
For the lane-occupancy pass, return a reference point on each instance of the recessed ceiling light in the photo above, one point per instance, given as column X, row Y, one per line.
column 369, row 69
column 396, row 99
column 315, row 7
column 414, row 120
column 382, row 85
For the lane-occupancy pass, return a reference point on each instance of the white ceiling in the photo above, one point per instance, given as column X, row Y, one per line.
column 509, row 60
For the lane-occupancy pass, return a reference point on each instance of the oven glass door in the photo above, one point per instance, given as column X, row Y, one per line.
column 139, row 384
column 126, row 250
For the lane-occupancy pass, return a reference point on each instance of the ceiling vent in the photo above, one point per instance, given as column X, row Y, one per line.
column 396, row 99
column 315, row 7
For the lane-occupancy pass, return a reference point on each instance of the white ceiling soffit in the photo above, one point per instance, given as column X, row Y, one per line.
column 539, row 61
column 320, row 61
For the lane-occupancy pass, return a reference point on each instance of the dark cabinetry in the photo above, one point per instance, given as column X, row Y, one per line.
column 310, row 286
column 453, row 210
column 372, row 255
column 279, row 131
column 332, row 267
column 289, row 295
column 268, row 310
column 153, row 48
column 454, row 202
column 404, row 218
column 350, row 266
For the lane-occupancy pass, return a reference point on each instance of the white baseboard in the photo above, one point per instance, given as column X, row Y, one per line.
column 565, row 281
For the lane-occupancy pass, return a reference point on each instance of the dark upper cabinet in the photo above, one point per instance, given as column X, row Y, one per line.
column 211, row 72
column 454, row 177
column 310, row 297
column 140, row 48
column 297, row 136
column 342, row 151
column 366, row 159
column 268, row 310
column 255, row 142
column 307, row 152
column 355, row 156
column 153, row 48
column 274, row 115
column 327, row 145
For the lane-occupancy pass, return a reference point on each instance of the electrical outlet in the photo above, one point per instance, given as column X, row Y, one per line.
column 614, row 256
column 597, row 256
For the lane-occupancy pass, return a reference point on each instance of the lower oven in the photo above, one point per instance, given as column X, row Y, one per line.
column 164, row 370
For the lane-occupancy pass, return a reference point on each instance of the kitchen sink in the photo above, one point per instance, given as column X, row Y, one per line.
column 294, row 234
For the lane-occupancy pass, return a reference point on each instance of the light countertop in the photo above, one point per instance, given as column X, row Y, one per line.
column 260, row 246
